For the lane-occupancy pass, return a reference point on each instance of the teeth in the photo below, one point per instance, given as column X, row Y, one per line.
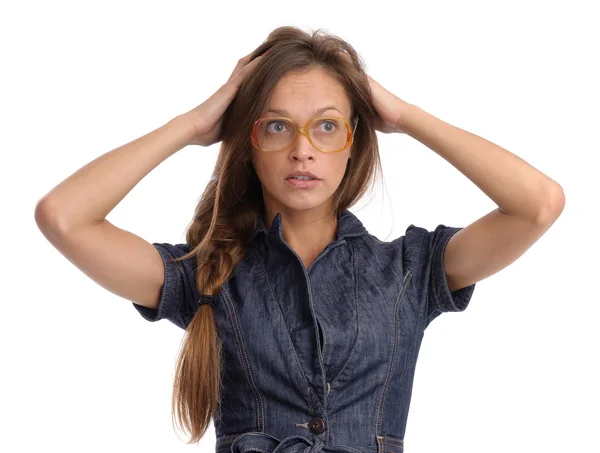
column 301, row 177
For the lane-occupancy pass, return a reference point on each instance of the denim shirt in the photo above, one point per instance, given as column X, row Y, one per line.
column 318, row 359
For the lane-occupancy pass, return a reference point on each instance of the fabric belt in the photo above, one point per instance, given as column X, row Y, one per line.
column 266, row 443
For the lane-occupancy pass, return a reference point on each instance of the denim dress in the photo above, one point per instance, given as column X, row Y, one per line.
column 319, row 359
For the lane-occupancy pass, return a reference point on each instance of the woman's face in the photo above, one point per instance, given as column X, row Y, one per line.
column 301, row 97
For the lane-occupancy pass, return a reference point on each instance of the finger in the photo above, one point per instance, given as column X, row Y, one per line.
column 240, row 64
column 237, row 77
column 227, row 91
column 243, row 61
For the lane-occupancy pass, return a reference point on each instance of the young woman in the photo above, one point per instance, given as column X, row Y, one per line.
column 302, row 329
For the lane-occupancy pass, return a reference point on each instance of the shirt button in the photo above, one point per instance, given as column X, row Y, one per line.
column 316, row 425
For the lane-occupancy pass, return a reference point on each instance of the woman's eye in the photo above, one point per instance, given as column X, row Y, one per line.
column 329, row 126
column 279, row 126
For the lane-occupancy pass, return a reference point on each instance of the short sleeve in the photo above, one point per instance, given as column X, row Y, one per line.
column 432, row 274
column 179, row 296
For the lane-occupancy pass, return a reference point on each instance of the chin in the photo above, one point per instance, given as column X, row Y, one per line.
column 305, row 202
column 300, row 205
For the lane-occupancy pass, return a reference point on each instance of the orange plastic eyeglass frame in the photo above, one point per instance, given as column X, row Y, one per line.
column 304, row 131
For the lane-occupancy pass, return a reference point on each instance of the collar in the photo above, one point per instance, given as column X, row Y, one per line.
column 348, row 226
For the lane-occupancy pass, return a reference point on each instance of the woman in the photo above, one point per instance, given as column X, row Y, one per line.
column 302, row 329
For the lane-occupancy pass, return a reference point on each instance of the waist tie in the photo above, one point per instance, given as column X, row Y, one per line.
column 266, row 443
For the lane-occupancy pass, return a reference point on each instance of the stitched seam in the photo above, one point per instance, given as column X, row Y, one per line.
column 245, row 365
column 436, row 288
column 383, row 441
column 343, row 241
column 397, row 307
column 313, row 310
column 437, row 269
column 167, row 290
column 323, row 254
column 419, row 268
column 294, row 355
column 439, row 284
column 324, row 342
column 356, row 340
column 406, row 369
column 314, row 316
column 346, row 446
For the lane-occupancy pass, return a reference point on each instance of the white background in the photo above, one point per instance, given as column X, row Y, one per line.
column 517, row 371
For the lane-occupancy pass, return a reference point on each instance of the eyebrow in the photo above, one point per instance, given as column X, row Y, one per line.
column 316, row 112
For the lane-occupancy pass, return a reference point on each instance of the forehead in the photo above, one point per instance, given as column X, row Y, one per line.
column 303, row 93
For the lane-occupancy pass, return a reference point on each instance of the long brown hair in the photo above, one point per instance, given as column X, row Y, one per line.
column 228, row 211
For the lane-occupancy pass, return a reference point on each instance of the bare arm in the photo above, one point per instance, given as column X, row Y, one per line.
column 72, row 215
column 88, row 195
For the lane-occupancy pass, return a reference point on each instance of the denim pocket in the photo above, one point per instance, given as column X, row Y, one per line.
column 389, row 444
column 224, row 443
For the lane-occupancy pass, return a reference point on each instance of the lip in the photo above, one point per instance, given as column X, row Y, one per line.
column 301, row 173
column 302, row 184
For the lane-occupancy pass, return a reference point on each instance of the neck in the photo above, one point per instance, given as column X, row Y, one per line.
column 308, row 232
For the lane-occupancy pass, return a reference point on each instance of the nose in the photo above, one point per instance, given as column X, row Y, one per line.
column 303, row 149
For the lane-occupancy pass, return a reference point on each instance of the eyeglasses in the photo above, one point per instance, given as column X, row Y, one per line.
column 328, row 134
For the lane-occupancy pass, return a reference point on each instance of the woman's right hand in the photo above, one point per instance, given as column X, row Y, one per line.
column 207, row 118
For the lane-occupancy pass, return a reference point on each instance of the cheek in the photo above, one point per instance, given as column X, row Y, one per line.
column 338, row 168
column 266, row 168
column 259, row 165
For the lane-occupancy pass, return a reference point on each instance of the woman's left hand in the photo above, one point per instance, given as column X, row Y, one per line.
column 391, row 110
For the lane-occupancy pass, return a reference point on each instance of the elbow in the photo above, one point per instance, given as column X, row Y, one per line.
column 45, row 216
column 554, row 206
column 40, row 214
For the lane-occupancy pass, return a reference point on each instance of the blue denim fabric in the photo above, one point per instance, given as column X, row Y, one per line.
column 319, row 359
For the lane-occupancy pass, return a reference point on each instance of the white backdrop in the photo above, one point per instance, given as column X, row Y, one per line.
column 517, row 371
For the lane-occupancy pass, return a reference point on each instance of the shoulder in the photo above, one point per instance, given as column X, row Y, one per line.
column 416, row 246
